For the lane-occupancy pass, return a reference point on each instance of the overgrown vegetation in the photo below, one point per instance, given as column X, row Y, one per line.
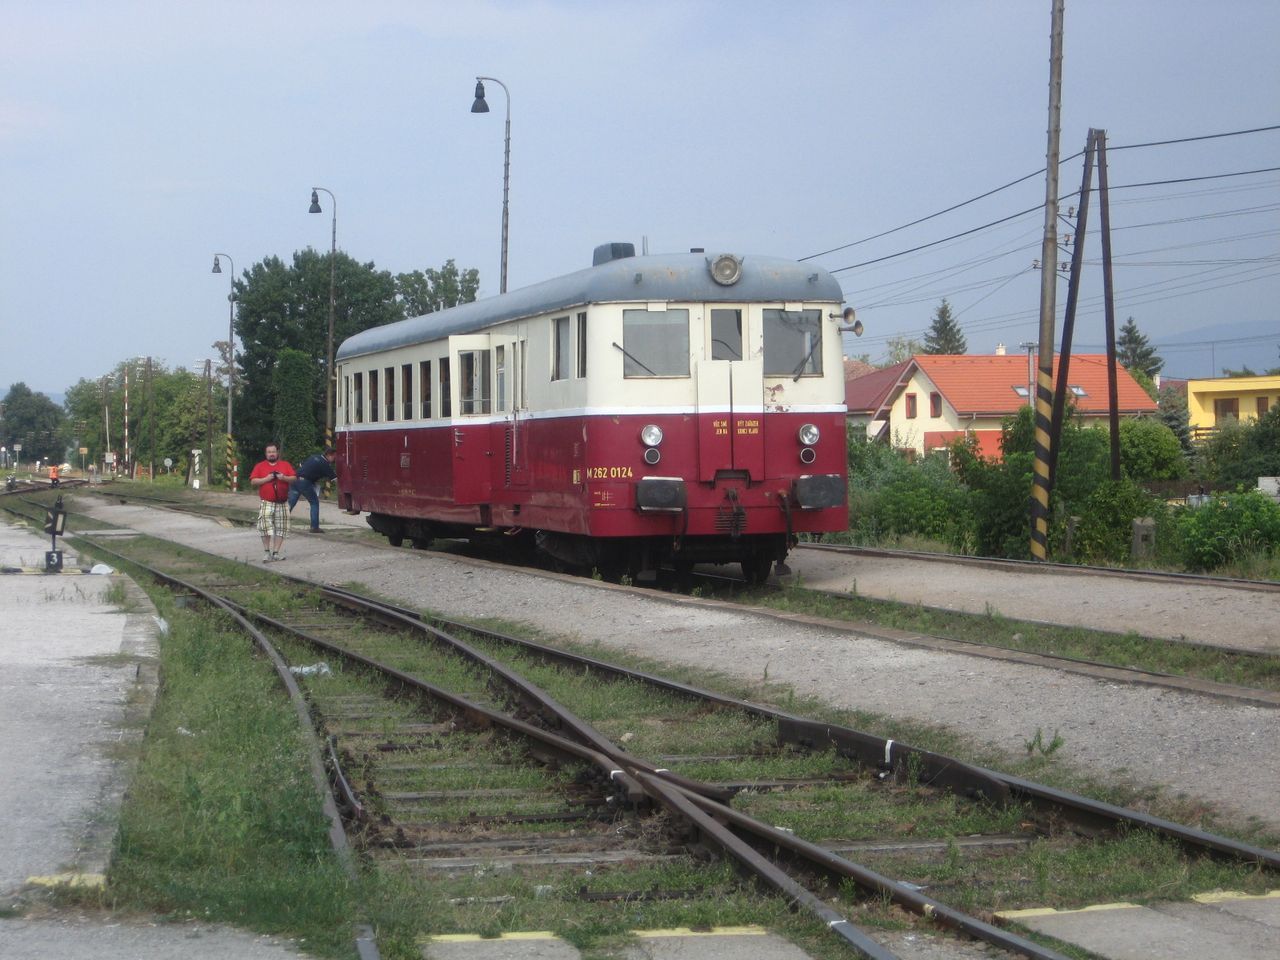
column 963, row 502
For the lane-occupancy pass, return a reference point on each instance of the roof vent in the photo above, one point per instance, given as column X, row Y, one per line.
column 612, row 251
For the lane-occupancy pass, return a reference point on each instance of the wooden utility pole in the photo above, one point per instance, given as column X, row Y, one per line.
column 1108, row 293
column 1048, row 290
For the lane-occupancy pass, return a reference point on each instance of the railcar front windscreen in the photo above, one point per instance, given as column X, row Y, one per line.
column 655, row 343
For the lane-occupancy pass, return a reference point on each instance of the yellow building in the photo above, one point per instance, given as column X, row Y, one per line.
column 1210, row 402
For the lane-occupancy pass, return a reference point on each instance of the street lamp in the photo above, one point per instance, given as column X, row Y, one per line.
column 328, row 367
column 480, row 106
column 231, row 330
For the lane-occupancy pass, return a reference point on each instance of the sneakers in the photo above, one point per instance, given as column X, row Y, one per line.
column 266, row 556
column 277, row 557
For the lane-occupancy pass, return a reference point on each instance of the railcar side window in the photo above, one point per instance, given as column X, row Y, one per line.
column 655, row 343
column 424, row 379
column 561, row 347
column 582, row 345
column 406, row 391
column 374, row 399
column 390, row 382
column 446, row 391
column 473, row 392
column 357, row 396
column 792, row 343
column 499, row 379
column 726, row 334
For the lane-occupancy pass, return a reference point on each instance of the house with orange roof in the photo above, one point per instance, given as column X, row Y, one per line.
column 937, row 398
column 864, row 395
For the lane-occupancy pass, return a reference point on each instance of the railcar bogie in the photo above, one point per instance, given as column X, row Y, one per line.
column 647, row 411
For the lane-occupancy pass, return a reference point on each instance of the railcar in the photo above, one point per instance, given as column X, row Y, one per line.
column 645, row 411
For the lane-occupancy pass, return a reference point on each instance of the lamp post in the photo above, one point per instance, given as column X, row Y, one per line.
column 328, row 365
column 481, row 106
column 232, row 480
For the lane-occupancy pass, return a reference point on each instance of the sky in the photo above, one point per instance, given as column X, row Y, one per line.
column 139, row 138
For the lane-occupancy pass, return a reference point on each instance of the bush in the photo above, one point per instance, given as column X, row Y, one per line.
column 1149, row 450
column 1229, row 527
column 1105, row 533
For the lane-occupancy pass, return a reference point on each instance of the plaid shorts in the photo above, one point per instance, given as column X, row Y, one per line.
column 273, row 519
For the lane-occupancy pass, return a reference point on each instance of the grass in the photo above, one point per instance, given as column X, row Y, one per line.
column 222, row 822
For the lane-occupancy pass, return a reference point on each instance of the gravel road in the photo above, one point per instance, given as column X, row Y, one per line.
column 1221, row 753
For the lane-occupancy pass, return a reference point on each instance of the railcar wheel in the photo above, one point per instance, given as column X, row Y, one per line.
column 421, row 543
column 395, row 539
column 756, row 568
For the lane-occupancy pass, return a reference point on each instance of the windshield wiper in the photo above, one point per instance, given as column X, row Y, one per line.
column 633, row 359
column 817, row 341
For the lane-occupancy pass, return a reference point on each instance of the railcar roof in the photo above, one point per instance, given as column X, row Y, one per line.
column 679, row 277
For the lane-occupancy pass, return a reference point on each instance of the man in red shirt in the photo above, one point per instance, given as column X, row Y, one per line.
column 271, row 478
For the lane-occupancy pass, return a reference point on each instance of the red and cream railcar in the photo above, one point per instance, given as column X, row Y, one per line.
column 647, row 410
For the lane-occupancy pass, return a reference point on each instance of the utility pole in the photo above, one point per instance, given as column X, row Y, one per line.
column 1048, row 290
column 1108, row 293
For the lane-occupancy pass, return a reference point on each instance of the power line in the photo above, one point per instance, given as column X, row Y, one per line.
column 1208, row 136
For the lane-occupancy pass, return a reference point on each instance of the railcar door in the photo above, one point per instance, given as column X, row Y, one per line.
column 730, row 398
column 507, row 434
column 473, row 404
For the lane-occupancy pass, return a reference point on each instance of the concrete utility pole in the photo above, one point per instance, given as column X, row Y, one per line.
column 1048, row 290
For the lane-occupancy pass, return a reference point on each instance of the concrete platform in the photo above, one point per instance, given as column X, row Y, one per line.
column 1234, row 925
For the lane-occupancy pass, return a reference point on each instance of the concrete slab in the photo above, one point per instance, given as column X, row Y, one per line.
column 92, row 938
column 1238, row 926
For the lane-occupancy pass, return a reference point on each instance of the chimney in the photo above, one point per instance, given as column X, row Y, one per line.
column 999, row 349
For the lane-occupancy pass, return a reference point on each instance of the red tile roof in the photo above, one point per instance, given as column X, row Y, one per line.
column 865, row 394
column 984, row 384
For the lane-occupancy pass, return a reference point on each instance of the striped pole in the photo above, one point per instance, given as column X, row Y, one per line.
column 1040, row 484
column 232, row 471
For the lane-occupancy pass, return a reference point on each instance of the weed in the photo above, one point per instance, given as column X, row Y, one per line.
column 1037, row 743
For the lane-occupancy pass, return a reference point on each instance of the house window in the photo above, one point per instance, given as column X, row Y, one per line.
column 582, row 346
column 406, row 391
column 1228, row 409
column 935, row 404
column 357, row 396
column 1263, row 407
column 1077, row 390
column 911, row 406
column 424, row 379
column 560, row 349
column 1023, row 392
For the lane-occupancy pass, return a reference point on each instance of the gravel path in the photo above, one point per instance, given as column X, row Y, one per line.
column 1224, row 616
column 1221, row 753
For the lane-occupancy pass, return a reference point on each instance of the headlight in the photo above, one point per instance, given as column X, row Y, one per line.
column 651, row 434
column 809, row 434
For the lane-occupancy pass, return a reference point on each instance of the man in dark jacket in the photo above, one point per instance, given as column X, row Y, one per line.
column 315, row 469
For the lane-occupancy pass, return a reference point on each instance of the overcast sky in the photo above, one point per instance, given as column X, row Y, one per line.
column 139, row 138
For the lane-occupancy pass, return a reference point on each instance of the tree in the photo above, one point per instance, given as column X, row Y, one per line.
column 1173, row 414
column 287, row 307
column 34, row 421
column 945, row 335
column 1133, row 350
column 294, row 416
column 427, row 291
column 902, row 348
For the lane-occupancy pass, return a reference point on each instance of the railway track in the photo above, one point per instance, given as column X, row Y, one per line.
column 1250, row 662
column 395, row 762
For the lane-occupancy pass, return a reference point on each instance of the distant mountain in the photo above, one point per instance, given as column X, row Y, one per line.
column 1206, row 351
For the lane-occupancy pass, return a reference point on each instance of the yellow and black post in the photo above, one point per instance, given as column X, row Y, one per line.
column 1041, row 482
column 232, row 473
